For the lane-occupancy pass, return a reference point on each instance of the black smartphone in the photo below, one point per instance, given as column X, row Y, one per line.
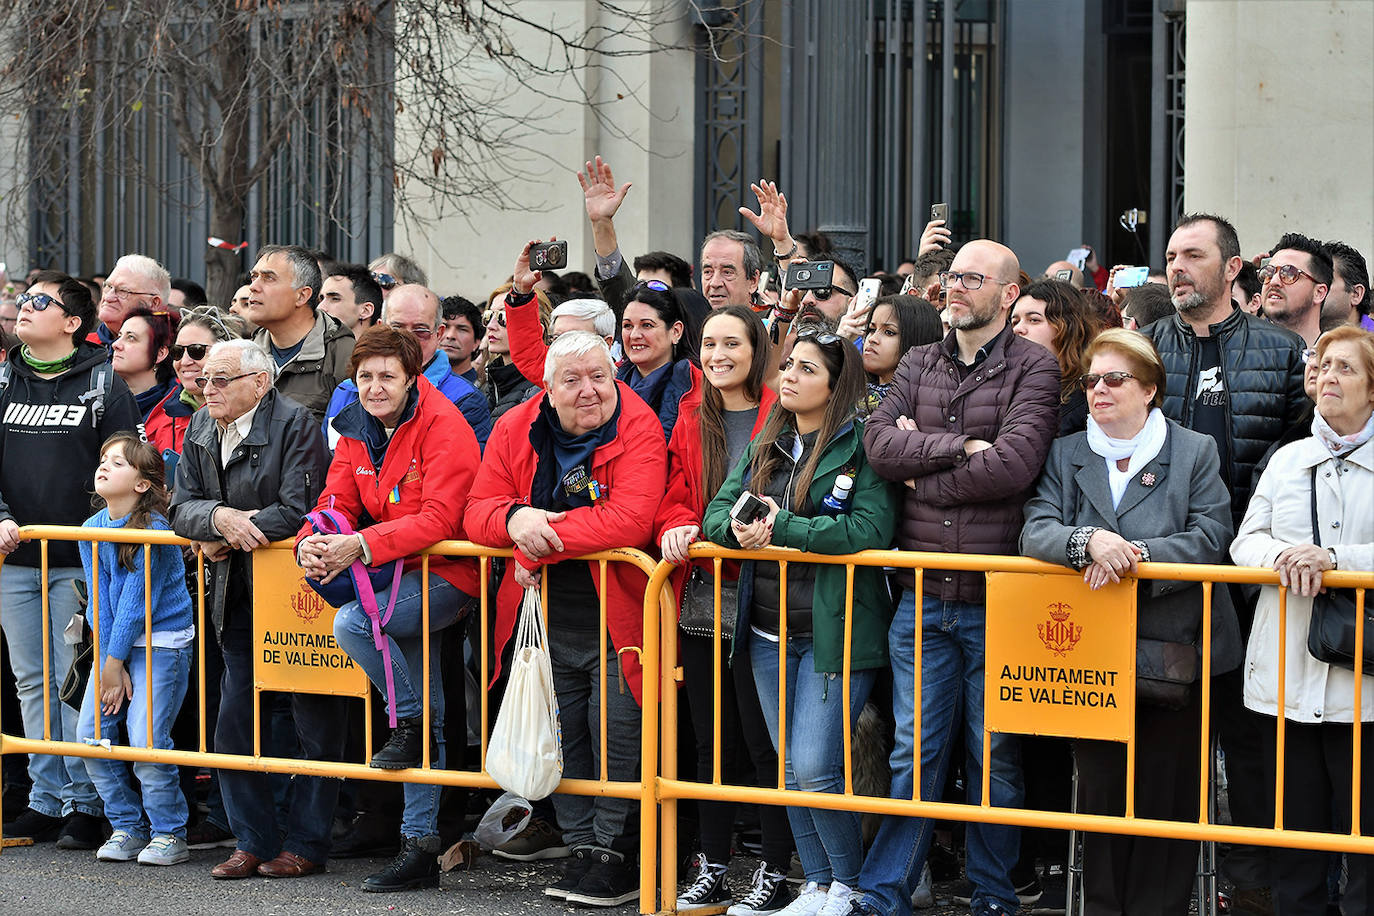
column 549, row 256
column 940, row 211
column 811, row 275
column 748, row 509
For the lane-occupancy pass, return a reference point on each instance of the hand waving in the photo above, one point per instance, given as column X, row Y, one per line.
column 599, row 191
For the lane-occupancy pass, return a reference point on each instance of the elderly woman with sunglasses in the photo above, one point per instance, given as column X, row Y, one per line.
column 1135, row 486
column 200, row 329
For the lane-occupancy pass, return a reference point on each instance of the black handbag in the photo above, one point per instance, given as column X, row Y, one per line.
column 697, row 610
column 1331, row 630
column 1165, row 672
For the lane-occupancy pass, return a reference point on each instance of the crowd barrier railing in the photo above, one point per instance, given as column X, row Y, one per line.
column 1011, row 596
column 659, row 788
column 282, row 591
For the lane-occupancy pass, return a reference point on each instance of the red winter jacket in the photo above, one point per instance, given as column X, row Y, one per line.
column 965, row 504
column 685, row 502
column 166, row 426
column 430, row 463
column 631, row 468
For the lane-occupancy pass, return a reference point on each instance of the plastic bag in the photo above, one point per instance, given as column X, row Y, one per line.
column 506, row 817
column 525, row 755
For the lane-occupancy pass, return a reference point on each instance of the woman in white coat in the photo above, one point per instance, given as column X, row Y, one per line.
column 1337, row 462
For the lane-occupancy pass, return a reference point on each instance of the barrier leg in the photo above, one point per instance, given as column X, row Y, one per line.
column 1207, row 853
column 1073, row 869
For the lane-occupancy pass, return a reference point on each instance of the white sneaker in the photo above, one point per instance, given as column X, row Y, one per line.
column 164, row 849
column 808, row 902
column 837, row 900
column 122, row 846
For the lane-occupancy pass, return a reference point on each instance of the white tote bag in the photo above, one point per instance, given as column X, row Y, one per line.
column 525, row 755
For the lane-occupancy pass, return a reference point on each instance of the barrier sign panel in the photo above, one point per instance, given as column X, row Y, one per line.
column 1060, row 657
column 293, row 633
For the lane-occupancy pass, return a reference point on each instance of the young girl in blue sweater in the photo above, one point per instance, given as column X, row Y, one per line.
column 152, row 829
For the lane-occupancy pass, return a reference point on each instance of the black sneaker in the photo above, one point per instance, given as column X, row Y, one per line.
column 1054, row 901
column 208, row 835
column 768, row 894
column 705, row 888
column 370, row 835
column 539, row 840
column 573, row 873
column 1027, row 893
column 32, row 825
column 610, row 881
column 415, row 866
column 82, row 831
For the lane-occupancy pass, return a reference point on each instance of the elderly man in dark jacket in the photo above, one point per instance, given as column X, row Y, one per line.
column 253, row 464
column 967, row 426
column 1239, row 379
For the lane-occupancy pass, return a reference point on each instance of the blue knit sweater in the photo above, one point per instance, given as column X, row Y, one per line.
column 121, row 615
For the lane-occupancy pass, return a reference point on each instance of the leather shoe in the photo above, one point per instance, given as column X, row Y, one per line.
column 239, row 865
column 289, row 865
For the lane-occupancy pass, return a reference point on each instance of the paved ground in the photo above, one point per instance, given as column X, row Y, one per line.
column 41, row 880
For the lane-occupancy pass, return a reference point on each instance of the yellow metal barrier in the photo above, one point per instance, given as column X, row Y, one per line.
column 659, row 787
column 642, row 790
column 671, row 789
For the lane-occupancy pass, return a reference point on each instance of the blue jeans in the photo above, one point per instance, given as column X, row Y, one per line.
column 60, row 784
column 353, row 630
column 830, row 843
column 163, row 806
column 952, row 644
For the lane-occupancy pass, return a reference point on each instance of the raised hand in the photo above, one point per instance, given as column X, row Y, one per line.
column 599, row 191
column 771, row 220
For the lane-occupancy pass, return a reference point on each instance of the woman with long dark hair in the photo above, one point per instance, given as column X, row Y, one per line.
column 1058, row 317
column 718, row 420
column 808, row 467
column 657, row 367
column 896, row 324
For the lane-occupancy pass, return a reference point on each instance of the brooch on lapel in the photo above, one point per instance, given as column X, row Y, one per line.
column 1147, row 479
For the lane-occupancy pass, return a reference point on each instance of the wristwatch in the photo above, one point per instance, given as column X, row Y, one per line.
column 1331, row 552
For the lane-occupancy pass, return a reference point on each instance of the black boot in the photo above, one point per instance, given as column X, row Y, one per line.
column 402, row 750
column 416, row 865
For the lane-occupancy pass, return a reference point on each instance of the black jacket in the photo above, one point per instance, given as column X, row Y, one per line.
column 1263, row 369
column 50, row 438
column 278, row 469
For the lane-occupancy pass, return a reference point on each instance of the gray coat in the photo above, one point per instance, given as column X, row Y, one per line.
column 278, row 469
column 1183, row 517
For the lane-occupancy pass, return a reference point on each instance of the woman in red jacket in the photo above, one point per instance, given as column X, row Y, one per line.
column 400, row 475
column 577, row 470
column 718, row 420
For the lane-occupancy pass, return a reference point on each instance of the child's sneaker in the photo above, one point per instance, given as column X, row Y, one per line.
column 122, row 846
column 164, row 850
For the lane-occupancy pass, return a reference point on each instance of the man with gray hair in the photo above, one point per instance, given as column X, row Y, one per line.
column 528, row 350
column 578, row 469
column 136, row 281
column 310, row 347
column 730, row 266
column 416, row 309
column 393, row 269
column 252, row 464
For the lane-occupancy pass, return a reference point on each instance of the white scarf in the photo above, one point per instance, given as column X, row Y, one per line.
column 1335, row 443
column 1141, row 449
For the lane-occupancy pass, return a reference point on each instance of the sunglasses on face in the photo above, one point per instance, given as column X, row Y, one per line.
column 220, row 382
column 1113, row 379
column 1288, row 274
column 38, row 302
column 825, row 292
column 385, row 281
column 497, row 317
column 196, row 351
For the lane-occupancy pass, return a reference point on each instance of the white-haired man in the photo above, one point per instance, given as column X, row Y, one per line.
column 137, row 280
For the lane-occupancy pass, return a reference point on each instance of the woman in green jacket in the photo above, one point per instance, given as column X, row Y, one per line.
column 796, row 465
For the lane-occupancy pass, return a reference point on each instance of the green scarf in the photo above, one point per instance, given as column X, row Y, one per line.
column 46, row 366
column 190, row 400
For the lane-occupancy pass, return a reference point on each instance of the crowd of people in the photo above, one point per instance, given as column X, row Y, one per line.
column 956, row 405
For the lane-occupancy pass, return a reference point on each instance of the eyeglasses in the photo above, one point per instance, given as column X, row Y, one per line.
column 385, row 281
column 121, row 293
column 1308, row 355
column 1288, row 274
column 1113, row 379
column 220, row 381
column 38, row 302
column 655, row 285
column 197, row 351
column 825, row 292
column 971, row 281
column 823, row 338
column 422, row 333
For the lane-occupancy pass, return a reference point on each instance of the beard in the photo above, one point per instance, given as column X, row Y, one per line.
column 972, row 320
column 1192, row 304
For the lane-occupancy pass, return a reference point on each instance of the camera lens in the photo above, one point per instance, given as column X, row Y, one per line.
column 803, row 275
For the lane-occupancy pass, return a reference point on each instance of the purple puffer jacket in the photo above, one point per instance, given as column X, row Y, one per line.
column 966, row 504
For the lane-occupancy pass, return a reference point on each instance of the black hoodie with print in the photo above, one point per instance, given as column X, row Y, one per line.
column 50, row 438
